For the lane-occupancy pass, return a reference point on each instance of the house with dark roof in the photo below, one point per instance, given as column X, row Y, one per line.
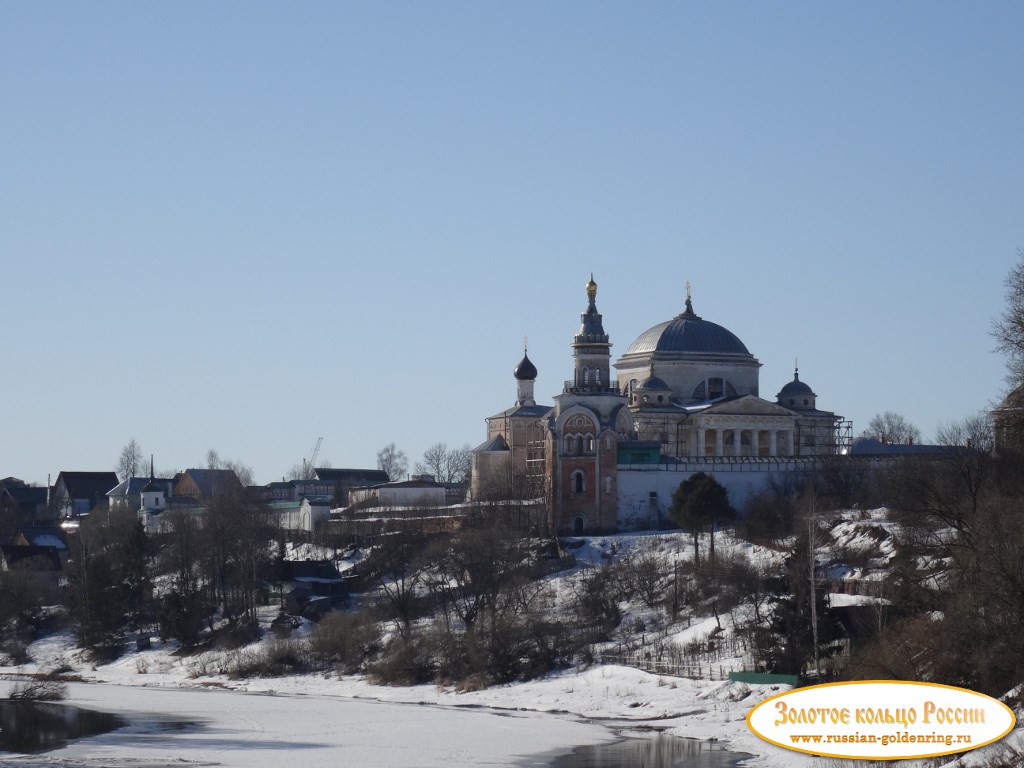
column 128, row 493
column 43, row 536
column 24, row 504
column 204, row 484
column 337, row 482
column 79, row 493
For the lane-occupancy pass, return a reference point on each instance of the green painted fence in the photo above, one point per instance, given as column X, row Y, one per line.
column 762, row 678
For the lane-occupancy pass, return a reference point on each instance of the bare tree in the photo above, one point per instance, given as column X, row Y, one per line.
column 130, row 461
column 392, row 460
column 242, row 471
column 213, row 459
column 1008, row 328
column 891, row 427
column 446, row 465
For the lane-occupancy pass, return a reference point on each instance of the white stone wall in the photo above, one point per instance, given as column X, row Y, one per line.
column 742, row 478
column 399, row 497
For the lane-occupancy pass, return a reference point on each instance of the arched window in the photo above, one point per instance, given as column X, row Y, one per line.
column 568, row 443
column 713, row 388
column 579, row 482
column 590, row 443
column 578, row 526
column 579, row 443
column 586, row 375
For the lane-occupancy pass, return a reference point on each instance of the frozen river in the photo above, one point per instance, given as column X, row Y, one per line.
column 257, row 730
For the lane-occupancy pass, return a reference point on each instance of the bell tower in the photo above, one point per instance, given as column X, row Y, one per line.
column 591, row 349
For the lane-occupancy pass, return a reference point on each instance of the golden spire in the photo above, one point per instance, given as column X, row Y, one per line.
column 591, row 288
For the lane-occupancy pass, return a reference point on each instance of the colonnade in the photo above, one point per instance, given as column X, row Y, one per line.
column 730, row 442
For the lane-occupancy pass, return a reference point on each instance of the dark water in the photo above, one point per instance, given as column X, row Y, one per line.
column 30, row 727
column 650, row 751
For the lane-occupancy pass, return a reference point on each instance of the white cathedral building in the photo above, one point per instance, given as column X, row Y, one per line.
column 685, row 398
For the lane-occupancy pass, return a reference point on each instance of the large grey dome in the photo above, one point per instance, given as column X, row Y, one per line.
column 687, row 333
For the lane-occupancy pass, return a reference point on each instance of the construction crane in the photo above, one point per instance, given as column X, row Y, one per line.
column 308, row 465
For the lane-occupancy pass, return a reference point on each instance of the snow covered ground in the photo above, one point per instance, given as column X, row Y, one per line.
column 320, row 719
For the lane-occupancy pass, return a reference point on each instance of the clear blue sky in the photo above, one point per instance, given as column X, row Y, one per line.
column 242, row 226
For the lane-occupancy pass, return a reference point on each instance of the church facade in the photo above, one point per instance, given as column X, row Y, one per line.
column 684, row 397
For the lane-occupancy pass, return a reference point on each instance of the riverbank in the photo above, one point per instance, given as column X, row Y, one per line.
column 564, row 710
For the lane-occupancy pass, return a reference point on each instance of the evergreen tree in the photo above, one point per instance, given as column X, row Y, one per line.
column 792, row 619
column 700, row 500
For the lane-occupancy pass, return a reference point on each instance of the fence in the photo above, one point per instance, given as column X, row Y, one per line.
column 706, row 660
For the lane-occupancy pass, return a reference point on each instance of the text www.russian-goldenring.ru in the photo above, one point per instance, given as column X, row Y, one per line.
column 948, row 739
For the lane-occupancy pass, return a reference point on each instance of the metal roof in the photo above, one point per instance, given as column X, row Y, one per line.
column 687, row 332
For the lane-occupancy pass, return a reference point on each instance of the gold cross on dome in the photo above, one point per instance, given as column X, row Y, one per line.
column 689, row 288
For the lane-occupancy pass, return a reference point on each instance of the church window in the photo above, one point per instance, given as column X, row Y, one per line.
column 579, row 482
column 590, row 443
column 568, row 443
column 597, row 375
column 579, row 443
column 660, row 398
column 700, row 391
column 716, row 388
column 586, row 375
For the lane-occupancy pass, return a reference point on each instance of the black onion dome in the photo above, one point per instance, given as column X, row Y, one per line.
column 688, row 332
column 525, row 371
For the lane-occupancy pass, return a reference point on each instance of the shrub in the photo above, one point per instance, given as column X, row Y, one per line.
column 38, row 690
column 344, row 640
column 405, row 661
column 273, row 659
column 16, row 652
column 238, row 632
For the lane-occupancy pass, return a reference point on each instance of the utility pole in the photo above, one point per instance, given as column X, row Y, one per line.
column 812, row 530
